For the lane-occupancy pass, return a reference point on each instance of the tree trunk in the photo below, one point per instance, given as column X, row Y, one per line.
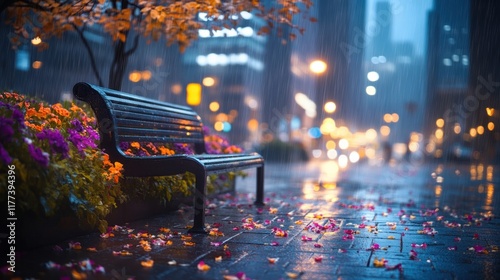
column 118, row 66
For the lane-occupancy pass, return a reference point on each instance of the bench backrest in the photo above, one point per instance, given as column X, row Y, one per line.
column 124, row 117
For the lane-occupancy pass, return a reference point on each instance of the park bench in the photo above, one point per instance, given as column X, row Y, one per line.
column 123, row 117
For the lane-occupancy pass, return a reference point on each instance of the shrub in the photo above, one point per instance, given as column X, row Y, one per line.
column 278, row 151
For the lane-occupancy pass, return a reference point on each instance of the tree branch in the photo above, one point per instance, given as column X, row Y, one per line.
column 90, row 53
column 5, row 4
column 134, row 46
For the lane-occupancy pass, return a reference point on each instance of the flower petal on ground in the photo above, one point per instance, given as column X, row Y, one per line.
column 272, row 260
column 306, row 238
column 202, row 266
column 413, row 255
column 75, row 245
column 147, row 263
column 394, row 267
column 379, row 262
column 423, row 245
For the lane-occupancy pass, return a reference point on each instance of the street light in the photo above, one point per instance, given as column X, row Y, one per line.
column 330, row 107
column 317, row 66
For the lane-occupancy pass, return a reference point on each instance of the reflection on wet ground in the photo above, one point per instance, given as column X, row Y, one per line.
column 470, row 186
column 432, row 221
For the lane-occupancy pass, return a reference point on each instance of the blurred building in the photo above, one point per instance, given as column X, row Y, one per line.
column 297, row 94
column 393, row 95
column 484, row 78
column 448, row 74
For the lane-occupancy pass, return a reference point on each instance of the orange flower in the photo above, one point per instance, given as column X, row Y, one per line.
column 135, row 145
column 105, row 158
column 43, row 111
column 152, row 148
column 115, row 171
column 56, row 121
column 33, row 126
column 166, row 151
column 30, row 113
column 60, row 110
column 75, row 108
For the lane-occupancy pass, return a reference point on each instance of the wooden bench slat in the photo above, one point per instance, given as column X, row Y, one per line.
column 135, row 99
column 127, row 131
column 155, row 113
column 157, row 125
column 124, row 115
column 157, row 139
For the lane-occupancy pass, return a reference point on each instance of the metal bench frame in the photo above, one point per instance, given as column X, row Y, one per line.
column 123, row 117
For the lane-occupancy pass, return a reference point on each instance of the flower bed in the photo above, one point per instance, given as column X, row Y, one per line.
column 53, row 150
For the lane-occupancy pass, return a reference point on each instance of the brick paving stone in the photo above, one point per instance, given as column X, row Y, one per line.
column 379, row 205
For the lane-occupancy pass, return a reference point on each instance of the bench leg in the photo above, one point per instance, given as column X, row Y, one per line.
column 259, row 201
column 199, row 204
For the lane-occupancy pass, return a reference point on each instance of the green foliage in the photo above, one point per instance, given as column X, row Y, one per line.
column 278, row 151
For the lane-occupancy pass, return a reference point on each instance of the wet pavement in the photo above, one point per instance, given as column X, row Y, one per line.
column 406, row 221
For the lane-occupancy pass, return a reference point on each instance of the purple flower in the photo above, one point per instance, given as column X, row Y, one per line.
column 183, row 149
column 4, row 155
column 206, row 130
column 81, row 142
column 6, row 130
column 38, row 155
column 18, row 116
column 56, row 141
column 77, row 125
column 124, row 146
column 93, row 135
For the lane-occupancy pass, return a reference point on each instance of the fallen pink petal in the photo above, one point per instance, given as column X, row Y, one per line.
column 413, row 255
column 423, row 245
column 394, row 267
column 306, row 238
